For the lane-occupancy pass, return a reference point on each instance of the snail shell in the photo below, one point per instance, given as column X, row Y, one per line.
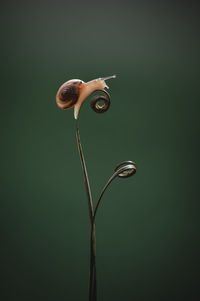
column 75, row 91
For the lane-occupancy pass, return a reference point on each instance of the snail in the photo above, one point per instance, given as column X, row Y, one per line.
column 75, row 91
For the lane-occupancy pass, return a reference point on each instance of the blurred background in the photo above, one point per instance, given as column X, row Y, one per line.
column 148, row 225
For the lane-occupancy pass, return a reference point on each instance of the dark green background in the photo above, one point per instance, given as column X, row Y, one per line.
column 148, row 225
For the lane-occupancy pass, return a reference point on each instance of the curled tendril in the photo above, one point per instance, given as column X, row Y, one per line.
column 126, row 169
column 100, row 103
column 123, row 170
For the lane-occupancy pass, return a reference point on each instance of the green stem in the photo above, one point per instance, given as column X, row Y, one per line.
column 92, row 279
column 102, row 193
column 87, row 184
column 93, row 296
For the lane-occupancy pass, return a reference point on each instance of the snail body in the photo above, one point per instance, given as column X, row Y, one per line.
column 75, row 91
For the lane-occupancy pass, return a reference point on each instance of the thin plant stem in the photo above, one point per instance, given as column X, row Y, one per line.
column 93, row 291
column 102, row 193
column 87, row 184
column 92, row 278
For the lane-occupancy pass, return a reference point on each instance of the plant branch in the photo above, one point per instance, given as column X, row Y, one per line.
column 102, row 193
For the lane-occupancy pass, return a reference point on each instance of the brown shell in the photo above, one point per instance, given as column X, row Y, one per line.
column 68, row 94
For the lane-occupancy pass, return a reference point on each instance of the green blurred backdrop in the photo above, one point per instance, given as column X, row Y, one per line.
column 147, row 226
